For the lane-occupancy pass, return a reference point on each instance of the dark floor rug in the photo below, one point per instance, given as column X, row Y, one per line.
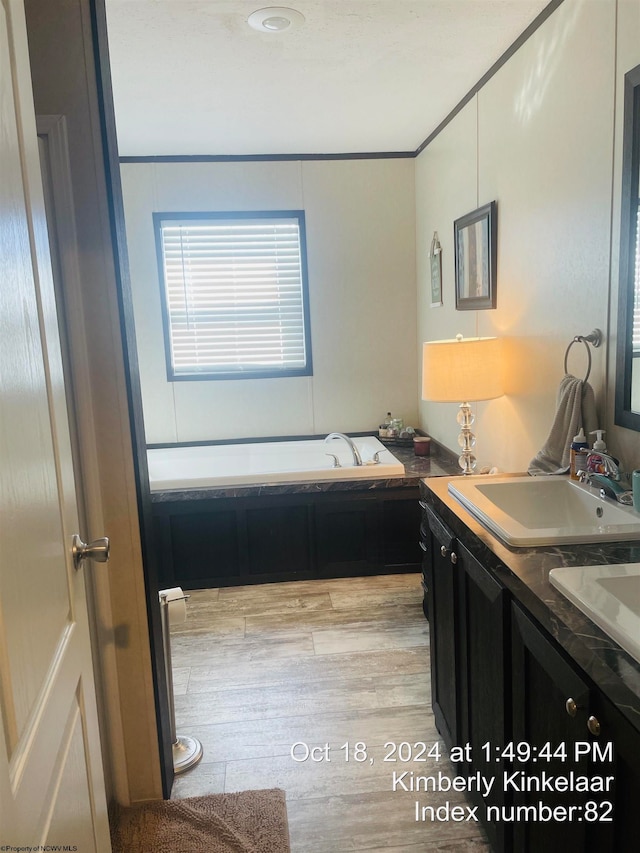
column 246, row 822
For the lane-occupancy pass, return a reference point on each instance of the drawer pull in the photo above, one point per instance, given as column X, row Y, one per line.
column 571, row 706
column 593, row 726
column 444, row 551
column 423, row 546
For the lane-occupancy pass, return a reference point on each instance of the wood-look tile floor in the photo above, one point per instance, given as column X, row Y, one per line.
column 258, row 669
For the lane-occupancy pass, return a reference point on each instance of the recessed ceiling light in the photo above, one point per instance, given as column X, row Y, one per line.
column 275, row 19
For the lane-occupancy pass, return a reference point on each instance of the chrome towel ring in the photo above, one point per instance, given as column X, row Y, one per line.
column 595, row 339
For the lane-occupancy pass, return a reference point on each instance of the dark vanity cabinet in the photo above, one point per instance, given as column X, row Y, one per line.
column 441, row 595
column 467, row 617
column 503, row 688
column 484, row 702
column 553, row 702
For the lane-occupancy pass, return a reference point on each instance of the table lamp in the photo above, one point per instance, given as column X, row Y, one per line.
column 463, row 369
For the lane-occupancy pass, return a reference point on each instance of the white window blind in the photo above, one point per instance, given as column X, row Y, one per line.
column 234, row 296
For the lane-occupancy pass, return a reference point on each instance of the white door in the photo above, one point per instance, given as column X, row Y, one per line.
column 51, row 778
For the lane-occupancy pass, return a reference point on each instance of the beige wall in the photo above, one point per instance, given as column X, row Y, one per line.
column 539, row 139
column 361, row 251
column 542, row 138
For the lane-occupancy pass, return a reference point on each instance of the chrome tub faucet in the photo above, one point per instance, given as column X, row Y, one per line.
column 357, row 459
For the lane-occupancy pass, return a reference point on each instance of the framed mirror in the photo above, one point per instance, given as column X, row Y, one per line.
column 627, row 398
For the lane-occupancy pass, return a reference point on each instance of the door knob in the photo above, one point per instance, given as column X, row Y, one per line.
column 97, row 550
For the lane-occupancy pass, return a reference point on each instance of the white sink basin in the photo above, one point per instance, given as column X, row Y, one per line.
column 545, row 510
column 609, row 595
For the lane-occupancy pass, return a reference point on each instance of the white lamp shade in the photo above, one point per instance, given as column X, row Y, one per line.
column 455, row 371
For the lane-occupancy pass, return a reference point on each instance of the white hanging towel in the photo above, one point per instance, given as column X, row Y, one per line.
column 576, row 407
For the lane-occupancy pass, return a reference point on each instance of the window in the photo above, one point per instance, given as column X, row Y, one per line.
column 234, row 293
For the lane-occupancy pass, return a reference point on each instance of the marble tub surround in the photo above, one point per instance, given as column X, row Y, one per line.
column 441, row 463
column 525, row 573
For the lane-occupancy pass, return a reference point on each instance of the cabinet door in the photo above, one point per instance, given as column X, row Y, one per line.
column 278, row 541
column 624, row 832
column 543, row 682
column 348, row 538
column 204, row 548
column 400, row 532
column 482, row 653
column 443, row 628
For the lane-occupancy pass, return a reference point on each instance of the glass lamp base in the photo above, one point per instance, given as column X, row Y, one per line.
column 468, row 463
column 466, row 439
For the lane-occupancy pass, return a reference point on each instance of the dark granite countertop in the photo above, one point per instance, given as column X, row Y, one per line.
column 441, row 463
column 525, row 572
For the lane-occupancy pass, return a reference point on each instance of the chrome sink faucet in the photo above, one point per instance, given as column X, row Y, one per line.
column 608, row 481
column 357, row 459
column 611, row 466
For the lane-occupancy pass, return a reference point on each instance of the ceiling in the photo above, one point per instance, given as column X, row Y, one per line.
column 357, row 76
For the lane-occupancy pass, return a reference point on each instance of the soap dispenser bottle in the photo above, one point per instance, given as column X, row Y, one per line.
column 596, row 463
column 578, row 455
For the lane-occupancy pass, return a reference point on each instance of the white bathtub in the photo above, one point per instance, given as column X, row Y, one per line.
column 266, row 462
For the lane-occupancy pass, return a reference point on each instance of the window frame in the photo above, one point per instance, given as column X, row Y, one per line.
column 267, row 373
column 624, row 414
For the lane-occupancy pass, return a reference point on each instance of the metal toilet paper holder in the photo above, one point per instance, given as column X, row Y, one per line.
column 187, row 751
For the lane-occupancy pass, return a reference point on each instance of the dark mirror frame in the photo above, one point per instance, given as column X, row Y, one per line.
column 624, row 416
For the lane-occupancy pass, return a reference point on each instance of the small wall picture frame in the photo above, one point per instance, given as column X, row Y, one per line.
column 476, row 243
column 435, row 261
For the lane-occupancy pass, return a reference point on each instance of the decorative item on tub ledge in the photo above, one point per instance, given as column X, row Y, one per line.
column 476, row 245
column 463, row 369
